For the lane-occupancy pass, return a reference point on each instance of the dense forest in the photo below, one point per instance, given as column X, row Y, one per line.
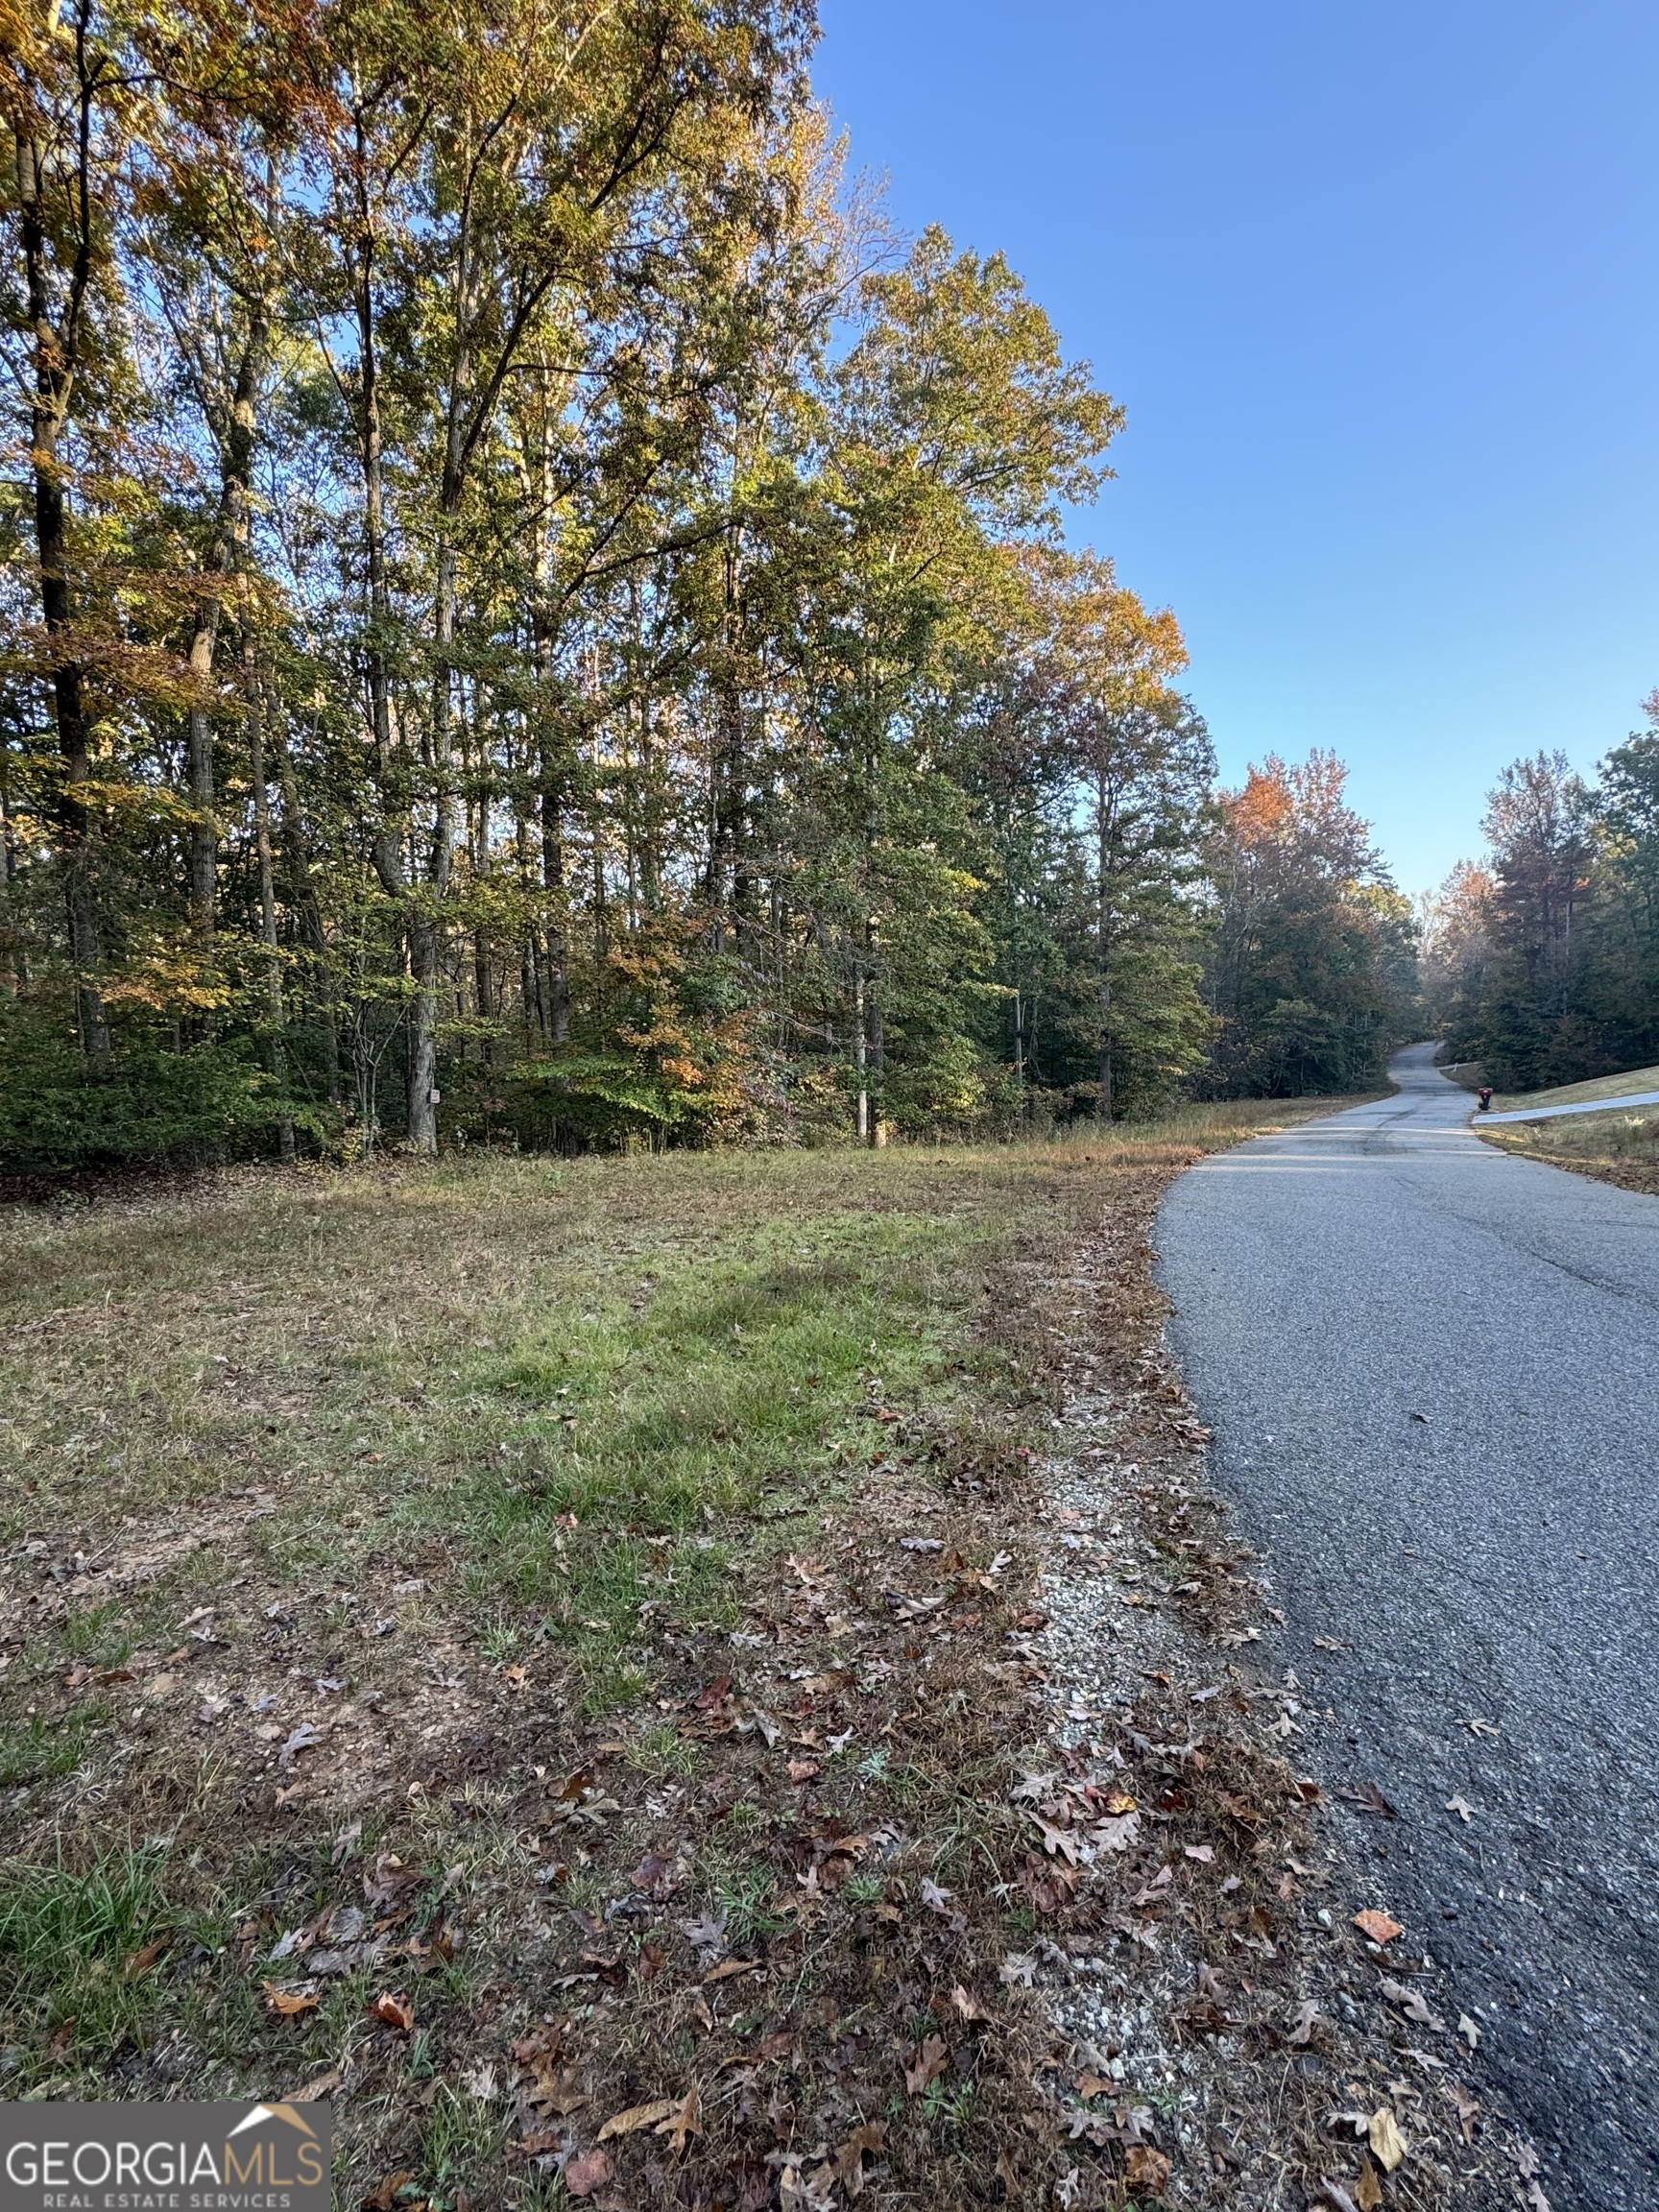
column 1542, row 959
column 530, row 615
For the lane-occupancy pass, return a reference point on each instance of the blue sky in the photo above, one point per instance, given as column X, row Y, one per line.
column 1379, row 286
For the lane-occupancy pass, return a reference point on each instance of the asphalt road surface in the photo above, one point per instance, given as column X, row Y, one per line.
column 1432, row 1370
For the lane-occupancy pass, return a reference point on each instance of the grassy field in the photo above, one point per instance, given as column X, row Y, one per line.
column 1610, row 1087
column 381, row 1552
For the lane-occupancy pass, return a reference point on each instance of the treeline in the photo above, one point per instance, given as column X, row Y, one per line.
column 528, row 616
column 1542, row 959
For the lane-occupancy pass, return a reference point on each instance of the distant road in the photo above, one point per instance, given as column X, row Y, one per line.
column 1494, row 1560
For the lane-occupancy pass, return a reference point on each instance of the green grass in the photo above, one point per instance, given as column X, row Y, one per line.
column 67, row 1935
column 33, row 1749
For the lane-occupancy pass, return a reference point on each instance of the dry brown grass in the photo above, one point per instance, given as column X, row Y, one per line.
column 1612, row 1147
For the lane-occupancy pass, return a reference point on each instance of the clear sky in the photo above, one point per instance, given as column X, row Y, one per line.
column 1379, row 286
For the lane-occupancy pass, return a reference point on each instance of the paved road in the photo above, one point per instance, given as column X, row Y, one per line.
column 1494, row 1559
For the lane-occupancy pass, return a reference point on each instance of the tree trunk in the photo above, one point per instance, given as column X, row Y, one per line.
column 861, row 1057
column 1103, row 890
column 226, row 559
column 267, row 893
column 557, row 951
column 55, row 371
column 303, row 901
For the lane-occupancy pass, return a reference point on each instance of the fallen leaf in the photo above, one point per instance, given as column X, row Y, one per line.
column 968, row 2005
column 686, row 2119
column 704, row 1933
column 1369, row 1799
column 731, row 1966
column 1469, row 2032
column 847, row 2158
column 1387, row 2143
column 635, row 2117
column 145, row 1957
column 288, row 2004
column 1411, row 2005
column 1369, row 2194
column 320, row 2086
column 395, row 2012
column 1147, row 2171
column 1478, row 1727
column 1381, row 1927
column 385, row 1883
column 1202, row 1852
column 385, row 2198
column 1465, row 1810
column 1019, row 1967
column 929, row 2062
column 1302, row 2025
column 650, row 1870
column 651, row 1960
column 584, row 2174
column 300, row 1739
column 1467, row 2107
column 1331, row 1644
column 935, row 1899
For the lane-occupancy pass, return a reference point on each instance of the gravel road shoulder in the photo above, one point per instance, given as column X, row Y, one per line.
column 1199, row 1949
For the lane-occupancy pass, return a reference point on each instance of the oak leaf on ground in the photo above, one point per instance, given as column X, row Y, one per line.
column 1147, row 2171
column 585, row 2174
column 929, row 2062
column 635, row 2117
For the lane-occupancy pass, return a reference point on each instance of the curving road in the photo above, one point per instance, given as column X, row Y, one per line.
column 1432, row 1370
